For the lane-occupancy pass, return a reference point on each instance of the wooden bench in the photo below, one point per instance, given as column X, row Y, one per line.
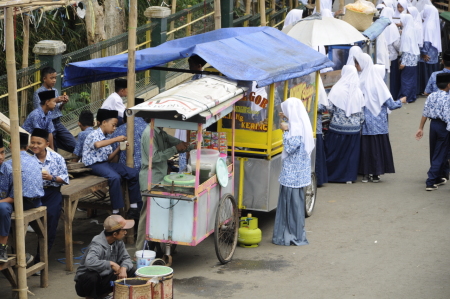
column 37, row 219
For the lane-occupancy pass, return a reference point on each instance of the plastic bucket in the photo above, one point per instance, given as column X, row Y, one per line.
column 144, row 258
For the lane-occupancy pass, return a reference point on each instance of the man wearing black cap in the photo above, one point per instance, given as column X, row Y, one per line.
column 99, row 155
column 32, row 190
column 114, row 101
column 86, row 123
column 41, row 117
column 139, row 126
column 6, row 204
column 106, row 259
column 432, row 86
column 54, row 175
column 437, row 108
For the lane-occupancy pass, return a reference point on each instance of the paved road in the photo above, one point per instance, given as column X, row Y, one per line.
column 385, row 240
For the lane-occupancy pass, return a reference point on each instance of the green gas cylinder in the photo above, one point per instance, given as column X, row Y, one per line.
column 249, row 233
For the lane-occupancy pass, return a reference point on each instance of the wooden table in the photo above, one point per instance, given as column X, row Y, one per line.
column 78, row 188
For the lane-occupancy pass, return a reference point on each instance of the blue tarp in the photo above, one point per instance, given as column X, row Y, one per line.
column 376, row 28
column 261, row 54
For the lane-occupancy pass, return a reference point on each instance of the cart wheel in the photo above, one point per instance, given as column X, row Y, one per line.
column 158, row 262
column 310, row 196
column 226, row 228
column 168, row 260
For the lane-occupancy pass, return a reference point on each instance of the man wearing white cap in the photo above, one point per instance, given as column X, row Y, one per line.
column 105, row 260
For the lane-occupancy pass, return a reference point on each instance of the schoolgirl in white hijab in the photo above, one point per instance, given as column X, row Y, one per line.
column 417, row 25
column 390, row 4
column 431, row 27
column 409, row 43
column 391, row 33
column 352, row 53
column 293, row 17
column 400, row 9
column 420, row 5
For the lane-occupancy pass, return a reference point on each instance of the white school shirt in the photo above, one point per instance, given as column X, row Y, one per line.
column 114, row 102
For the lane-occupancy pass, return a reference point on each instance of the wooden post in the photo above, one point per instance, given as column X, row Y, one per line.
column 290, row 4
column 173, row 9
column 317, row 5
column 15, row 151
column 131, row 78
column 188, row 20
column 272, row 5
column 218, row 15
column 341, row 4
column 26, row 49
column 262, row 7
column 248, row 8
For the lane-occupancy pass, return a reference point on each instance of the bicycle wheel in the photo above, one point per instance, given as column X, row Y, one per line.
column 310, row 196
column 226, row 228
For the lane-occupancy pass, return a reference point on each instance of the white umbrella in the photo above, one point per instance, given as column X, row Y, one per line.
column 325, row 32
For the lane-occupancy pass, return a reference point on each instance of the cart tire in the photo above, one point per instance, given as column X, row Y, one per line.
column 310, row 196
column 158, row 262
column 226, row 228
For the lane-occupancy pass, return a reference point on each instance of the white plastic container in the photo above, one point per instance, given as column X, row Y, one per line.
column 144, row 258
column 208, row 159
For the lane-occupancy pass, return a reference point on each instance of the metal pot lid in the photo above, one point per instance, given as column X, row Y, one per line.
column 222, row 172
column 180, row 179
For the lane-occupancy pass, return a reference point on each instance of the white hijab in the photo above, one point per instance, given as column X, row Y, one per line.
column 325, row 4
column 391, row 33
column 431, row 27
column 299, row 123
column 352, row 54
column 383, row 51
column 326, row 13
column 417, row 25
column 346, row 93
column 404, row 4
column 409, row 42
column 420, row 5
column 293, row 17
column 372, row 85
column 390, row 4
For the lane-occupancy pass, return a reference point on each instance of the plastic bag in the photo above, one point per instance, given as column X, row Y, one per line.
column 362, row 6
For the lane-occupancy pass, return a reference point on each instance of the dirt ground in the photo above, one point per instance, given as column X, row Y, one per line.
column 385, row 240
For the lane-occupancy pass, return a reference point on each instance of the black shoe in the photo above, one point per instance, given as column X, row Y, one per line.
column 375, row 179
column 365, row 179
column 3, row 253
column 133, row 213
column 431, row 188
column 443, row 181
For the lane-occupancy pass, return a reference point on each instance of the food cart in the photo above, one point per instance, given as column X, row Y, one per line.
column 243, row 56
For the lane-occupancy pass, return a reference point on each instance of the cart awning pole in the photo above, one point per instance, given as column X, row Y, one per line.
column 131, row 79
column 15, row 150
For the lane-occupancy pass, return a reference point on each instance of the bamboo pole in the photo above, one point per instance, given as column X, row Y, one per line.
column 131, row 78
column 218, row 15
column 26, row 49
column 262, row 7
column 317, row 5
column 15, row 151
column 248, row 9
column 188, row 22
column 173, row 10
column 341, row 4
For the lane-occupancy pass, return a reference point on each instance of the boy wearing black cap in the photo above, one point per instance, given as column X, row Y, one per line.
column 54, row 175
column 42, row 117
column 86, row 123
column 6, row 203
column 139, row 126
column 431, row 85
column 437, row 108
column 99, row 155
column 63, row 138
column 114, row 101
column 105, row 260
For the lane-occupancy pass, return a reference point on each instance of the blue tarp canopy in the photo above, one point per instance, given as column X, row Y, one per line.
column 261, row 54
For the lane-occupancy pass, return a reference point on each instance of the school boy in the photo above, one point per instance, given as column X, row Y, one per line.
column 196, row 63
column 437, row 108
column 99, row 155
column 431, row 85
column 63, row 138
column 54, row 175
column 114, row 101
column 139, row 126
column 105, row 260
column 86, row 123
column 32, row 190
column 41, row 117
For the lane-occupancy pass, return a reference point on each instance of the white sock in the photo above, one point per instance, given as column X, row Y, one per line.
column 116, row 211
column 133, row 205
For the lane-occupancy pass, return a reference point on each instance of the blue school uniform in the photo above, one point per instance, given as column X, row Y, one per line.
column 78, row 151
column 431, row 86
column 62, row 137
column 6, row 190
column 55, row 164
column 321, row 158
column 426, row 68
column 342, row 145
column 38, row 119
column 97, row 159
column 408, row 77
column 437, row 108
column 139, row 127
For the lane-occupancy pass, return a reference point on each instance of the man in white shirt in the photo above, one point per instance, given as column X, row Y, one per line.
column 114, row 101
